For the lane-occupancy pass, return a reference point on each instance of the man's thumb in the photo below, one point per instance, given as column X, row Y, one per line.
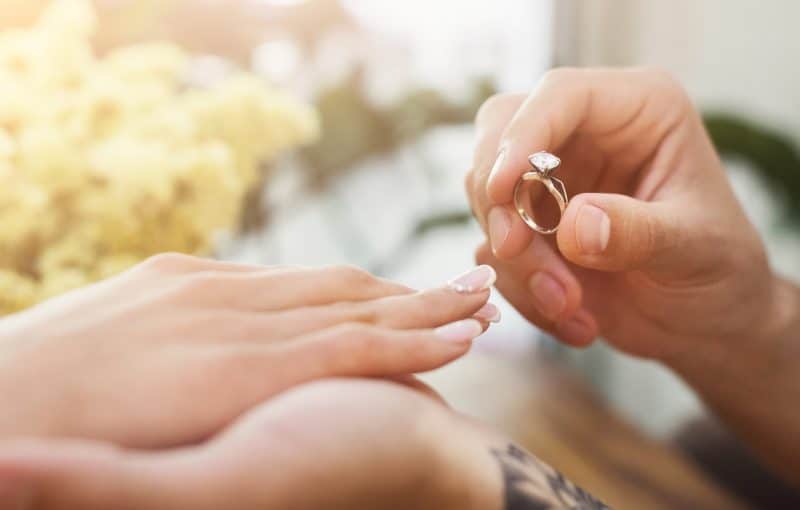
column 611, row 232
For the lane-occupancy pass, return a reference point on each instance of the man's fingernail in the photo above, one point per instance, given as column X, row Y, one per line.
column 549, row 296
column 498, row 164
column 488, row 313
column 575, row 331
column 461, row 331
column 499, row 227
column 474, row 280
column 593, row 229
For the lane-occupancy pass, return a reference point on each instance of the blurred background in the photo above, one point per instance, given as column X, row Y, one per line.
column 379, row 96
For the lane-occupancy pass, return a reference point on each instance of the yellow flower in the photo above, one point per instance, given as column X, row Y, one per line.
column 16, row 291
column 104, row 162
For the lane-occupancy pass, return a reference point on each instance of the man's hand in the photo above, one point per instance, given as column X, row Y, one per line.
column 337, row 444
column 654, row 252
column 175, row 349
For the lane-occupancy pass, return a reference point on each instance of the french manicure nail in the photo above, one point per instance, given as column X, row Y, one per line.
column 498, row 164
column 461, row 331
column 489, row 313
column 549, row 296
column 474, row 280
column 499, row 227
column 593, row 229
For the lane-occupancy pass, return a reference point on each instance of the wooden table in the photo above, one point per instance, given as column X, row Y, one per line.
column 557, row 416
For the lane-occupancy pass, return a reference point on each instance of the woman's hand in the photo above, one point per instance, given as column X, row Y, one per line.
column 174, row 349
column 654, row 252
column 335, row 444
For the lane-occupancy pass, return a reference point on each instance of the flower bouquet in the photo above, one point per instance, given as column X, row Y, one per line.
column 106, row 161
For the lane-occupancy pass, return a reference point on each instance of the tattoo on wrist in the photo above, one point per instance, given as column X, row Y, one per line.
column 533, row 485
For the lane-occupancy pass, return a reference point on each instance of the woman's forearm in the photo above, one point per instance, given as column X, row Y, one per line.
column 754, row 386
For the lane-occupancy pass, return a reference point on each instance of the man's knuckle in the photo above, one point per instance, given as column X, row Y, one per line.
column 665, row 84
column 650, row 238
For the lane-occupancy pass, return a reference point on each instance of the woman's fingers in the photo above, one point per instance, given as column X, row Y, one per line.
column 425, row 309
column 460, row 299
column 371, row 351
column 488, row 314
column 251, row 372
column 250, row 287
column 282, row 289
column 322, row 286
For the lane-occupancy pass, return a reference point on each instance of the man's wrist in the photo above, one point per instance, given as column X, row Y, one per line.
column 751, row 382
column 776, row 331
column 784, row 325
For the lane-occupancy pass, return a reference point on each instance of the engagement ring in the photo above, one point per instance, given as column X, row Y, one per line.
column 544, row 164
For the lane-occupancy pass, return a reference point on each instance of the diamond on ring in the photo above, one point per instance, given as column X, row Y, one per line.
column 544, row 164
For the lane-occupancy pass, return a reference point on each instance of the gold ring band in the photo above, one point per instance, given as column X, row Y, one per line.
column 544, row 164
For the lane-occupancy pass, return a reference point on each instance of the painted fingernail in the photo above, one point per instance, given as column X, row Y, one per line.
column 461, row 331
column 474, row 280
column 549, row 296
column 499, row 227
column 488, row 313
column 593, row 229
column 498, row 164
column 575, row 331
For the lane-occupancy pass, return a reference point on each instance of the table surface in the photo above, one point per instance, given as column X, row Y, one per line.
column 558, row 417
